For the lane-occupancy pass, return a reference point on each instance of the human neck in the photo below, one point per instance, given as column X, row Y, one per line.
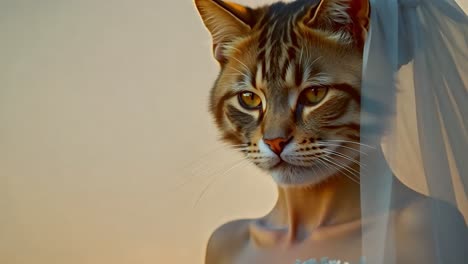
column 303, row 210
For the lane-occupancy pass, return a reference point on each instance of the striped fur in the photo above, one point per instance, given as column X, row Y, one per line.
column 277, row 52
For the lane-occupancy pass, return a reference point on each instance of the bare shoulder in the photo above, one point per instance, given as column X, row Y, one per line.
column 424, row 212
column 227, row 241
column 422, row 220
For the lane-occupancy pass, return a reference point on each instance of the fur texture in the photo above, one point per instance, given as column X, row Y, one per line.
column 282, row 53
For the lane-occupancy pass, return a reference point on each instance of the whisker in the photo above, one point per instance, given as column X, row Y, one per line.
column 332, row 152
column 301, row 55
column 324, row 163
column 345, row 174
column 227, row 74
column 313, row 168
column 320, row 167
column 351, row 142
column 335, row 145
column 204, row 166
column 215, row 150
column 215, row 178
column 236, row 49
column 245, row 66
column 241, row 73
column 344, row 167
column 207, row 173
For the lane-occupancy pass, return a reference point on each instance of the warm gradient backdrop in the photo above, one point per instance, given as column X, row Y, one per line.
column 105, row 140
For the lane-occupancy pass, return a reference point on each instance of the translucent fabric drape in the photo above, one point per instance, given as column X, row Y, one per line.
column 414, row 105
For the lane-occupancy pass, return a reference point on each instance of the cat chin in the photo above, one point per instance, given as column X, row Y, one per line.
column 288, row 175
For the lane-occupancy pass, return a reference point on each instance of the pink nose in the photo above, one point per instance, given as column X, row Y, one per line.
column 277, row 144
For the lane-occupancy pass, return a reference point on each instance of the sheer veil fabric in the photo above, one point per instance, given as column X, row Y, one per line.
column 415, row 77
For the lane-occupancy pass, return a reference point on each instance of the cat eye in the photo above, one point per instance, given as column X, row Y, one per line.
column 313, row 96
column 249, row 100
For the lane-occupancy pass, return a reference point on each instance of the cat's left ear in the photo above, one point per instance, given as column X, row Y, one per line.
column 341, row 16
column 225, row 21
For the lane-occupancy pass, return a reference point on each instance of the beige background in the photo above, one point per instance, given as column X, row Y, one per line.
column 105, row 140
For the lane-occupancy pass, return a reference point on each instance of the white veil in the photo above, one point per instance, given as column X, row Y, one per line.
column 415, row 78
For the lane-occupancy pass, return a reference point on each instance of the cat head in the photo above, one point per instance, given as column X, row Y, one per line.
column 288, row 92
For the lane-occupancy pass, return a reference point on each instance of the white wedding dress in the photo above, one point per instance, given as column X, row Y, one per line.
column 416, row 71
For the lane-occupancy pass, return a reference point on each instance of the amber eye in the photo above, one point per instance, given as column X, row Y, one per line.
column 249, row 100
column 314, row 95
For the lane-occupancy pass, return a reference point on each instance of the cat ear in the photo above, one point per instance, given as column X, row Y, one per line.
column 345, row 18
column 226, row 21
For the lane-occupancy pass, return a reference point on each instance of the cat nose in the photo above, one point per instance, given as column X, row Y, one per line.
column 277, row 144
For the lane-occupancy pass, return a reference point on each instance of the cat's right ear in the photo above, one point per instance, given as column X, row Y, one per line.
column 225, row 21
